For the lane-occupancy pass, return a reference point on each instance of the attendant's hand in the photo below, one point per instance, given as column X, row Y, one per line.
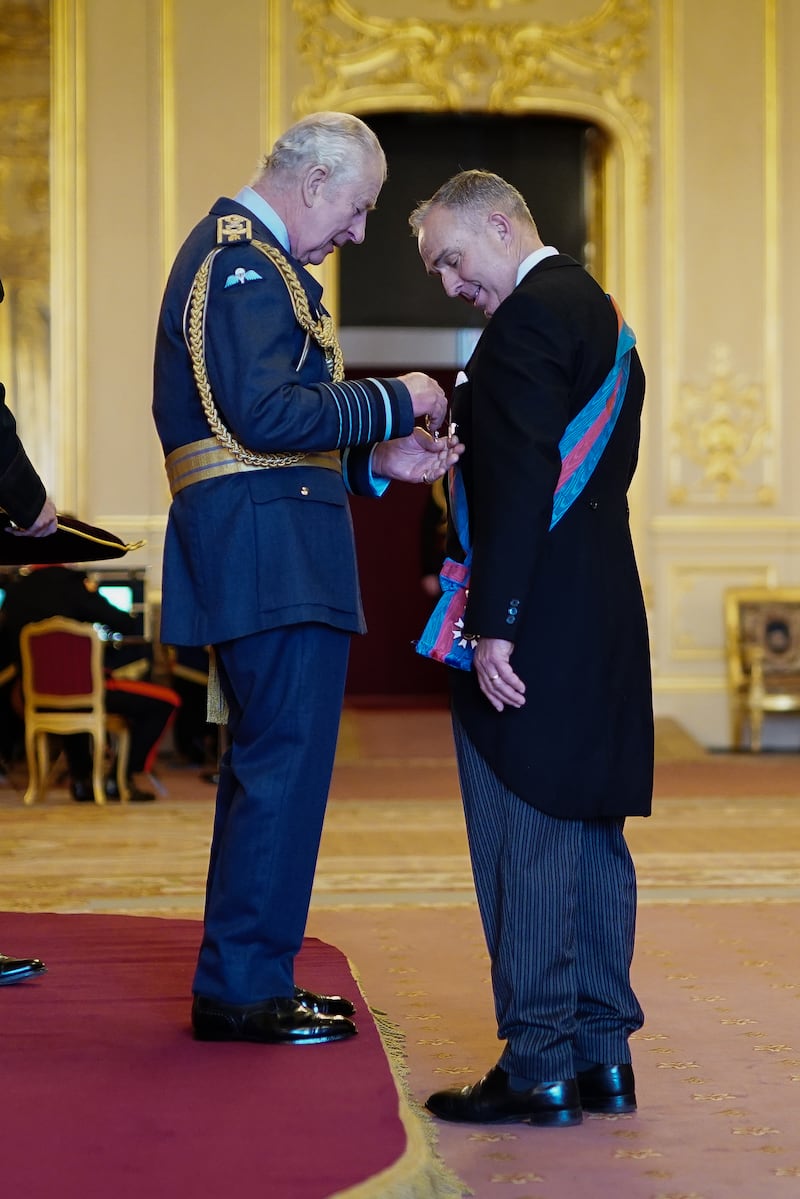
column 496, row 678
column 418, row 458
column 427, row 398
column 44, row 525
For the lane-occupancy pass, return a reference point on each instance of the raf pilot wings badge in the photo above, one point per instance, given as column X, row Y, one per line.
column 240, row 275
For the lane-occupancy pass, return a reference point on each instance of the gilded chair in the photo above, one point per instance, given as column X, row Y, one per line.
column 64, row 692
column 762, row 633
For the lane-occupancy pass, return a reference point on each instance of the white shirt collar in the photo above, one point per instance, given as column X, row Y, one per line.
column 259, row 207
column 533, row 260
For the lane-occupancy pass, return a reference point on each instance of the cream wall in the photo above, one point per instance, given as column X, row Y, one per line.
column 161, row 105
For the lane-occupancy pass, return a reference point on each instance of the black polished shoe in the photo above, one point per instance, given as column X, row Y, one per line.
column 15, row 970
column 135, row 794
column 281, row 1021
column 82, row 790
column 493, row 1101
column 325, row 1005
column 609, row 1090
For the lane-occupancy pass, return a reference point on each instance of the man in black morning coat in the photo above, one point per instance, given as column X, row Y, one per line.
column 263, row 439
column 23, row 496
column 553, row 725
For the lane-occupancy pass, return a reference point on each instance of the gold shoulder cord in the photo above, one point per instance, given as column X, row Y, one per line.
column 321, row 329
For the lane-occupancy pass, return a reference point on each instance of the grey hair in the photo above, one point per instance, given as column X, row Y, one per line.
column 325, row 139
column 474, row 193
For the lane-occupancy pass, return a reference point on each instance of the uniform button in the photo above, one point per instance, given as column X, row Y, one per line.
column 513, row 611
column 593, row 505
column 510, row 619
column 304, row 491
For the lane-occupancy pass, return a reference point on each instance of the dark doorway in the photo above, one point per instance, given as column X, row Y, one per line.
column 551, row 160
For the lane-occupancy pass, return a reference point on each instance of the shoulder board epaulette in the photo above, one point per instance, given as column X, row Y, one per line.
column 234, row 229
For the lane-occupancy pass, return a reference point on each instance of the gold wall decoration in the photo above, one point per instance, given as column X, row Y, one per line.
column 24, row 142
column 488, row 63
column 722, row 440
column 25, row 222
column 24, row 31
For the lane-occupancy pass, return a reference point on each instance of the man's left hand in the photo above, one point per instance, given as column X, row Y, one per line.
column 418, row 458
column 497, row 679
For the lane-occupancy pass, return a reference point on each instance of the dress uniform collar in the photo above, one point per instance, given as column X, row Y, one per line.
column 249, row 198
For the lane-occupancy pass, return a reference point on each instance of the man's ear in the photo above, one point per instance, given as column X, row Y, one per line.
column 500, row 225
column 313, row 181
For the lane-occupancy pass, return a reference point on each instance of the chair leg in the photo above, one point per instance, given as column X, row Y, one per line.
column 98, row 752
column 756, row 725
column 123, row 754
column 32, row 756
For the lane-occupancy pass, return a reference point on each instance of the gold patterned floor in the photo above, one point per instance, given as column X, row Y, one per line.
column 716, row 964
column 394, row 833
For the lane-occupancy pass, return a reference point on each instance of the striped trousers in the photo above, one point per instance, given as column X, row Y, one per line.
column 557, row 900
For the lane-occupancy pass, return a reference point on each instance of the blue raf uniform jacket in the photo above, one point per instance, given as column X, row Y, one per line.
column 270, row 547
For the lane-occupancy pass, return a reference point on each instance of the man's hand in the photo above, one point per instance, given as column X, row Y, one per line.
column 44, row 525
column 418, row 458
column 497, row 680
column 427, row 397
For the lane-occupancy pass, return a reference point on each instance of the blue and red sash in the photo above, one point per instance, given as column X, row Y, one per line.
column 444, row 637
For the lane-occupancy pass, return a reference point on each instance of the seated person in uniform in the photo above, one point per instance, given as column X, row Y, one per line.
column 44, row 591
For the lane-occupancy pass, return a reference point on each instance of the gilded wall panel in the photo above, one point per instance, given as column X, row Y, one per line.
column 25, row 222
column 721, row 417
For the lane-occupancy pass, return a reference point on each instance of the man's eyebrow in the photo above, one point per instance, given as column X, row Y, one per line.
column 445, row 253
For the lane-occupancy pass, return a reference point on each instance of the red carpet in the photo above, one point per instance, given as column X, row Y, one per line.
column 105, row 1092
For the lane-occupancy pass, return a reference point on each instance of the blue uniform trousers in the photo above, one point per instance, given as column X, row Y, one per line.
column 558, row 904
column 284, row 689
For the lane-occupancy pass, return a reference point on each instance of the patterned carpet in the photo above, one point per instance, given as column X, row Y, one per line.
column 718, row 1062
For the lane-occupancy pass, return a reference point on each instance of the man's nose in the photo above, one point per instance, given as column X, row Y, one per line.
column 358, row 228
column 451, row 283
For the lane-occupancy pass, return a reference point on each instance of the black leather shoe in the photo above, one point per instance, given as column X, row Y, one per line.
column 14, row 970
column 281, row 1021
column 609, row 1090
column 325, row 1005
column 135, row 794
column 82, row 790
column 492, row 1101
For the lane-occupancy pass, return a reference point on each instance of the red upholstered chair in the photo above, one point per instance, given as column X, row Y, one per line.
column 64, row 692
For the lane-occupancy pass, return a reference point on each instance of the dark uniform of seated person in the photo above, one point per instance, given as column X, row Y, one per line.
column 46, row 591
column 23, row 497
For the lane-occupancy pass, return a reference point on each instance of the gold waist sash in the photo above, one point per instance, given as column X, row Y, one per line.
column 207, row 459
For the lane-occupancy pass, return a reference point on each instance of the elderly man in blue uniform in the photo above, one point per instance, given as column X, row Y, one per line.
column 263, row 439
column 553, row 724
column 23, row 497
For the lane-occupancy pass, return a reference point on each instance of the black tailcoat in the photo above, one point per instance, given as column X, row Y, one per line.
column 570, row 598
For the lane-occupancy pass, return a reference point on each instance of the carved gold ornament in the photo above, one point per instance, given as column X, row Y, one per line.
column 358, row 60
column 722, row 440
